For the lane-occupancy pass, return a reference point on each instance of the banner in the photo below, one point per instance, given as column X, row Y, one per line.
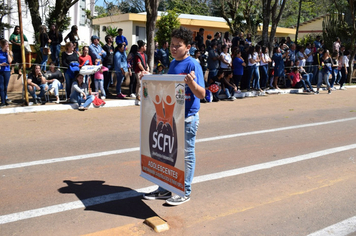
column 162, row 131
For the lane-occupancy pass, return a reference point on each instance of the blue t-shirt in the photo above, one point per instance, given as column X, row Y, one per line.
column 3, row 58
column 238, row 67
column 183, row 67
column 278, row 60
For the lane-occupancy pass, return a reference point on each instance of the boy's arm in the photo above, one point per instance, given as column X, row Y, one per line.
column 197, row 90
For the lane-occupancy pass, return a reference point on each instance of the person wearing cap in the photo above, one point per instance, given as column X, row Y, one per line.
column 120, row 39
column 95, row 49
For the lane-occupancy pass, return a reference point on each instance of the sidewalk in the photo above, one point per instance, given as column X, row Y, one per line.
column 18, row 107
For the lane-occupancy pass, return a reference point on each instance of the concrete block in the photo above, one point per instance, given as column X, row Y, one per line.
column 157, row 224
column 15, row 83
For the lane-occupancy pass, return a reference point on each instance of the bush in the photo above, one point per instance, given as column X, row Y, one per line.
column 165, row 25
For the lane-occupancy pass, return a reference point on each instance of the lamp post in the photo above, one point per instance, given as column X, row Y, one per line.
column 300, row 10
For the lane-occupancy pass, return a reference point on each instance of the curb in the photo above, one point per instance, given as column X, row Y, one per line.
column 131, row 102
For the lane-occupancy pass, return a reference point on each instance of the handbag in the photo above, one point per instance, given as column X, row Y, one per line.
column 46, row 51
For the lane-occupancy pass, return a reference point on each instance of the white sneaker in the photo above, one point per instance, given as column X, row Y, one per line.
column 342, row 88
column 132, row 95
column 232, row 98
column 103, row 97
column 137, row 102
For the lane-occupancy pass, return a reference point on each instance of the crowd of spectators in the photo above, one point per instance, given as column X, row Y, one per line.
column 231, row 65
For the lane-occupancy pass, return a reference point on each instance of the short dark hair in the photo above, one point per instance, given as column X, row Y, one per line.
column 107, row 37
column 119, row 30
column 140, row 44
column 183, row 33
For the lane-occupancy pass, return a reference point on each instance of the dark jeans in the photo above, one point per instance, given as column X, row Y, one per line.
column 133, row 84
column 264, row 75
column 107, row 78
column 4, row 82
column 343, row 76
column 237, row 79
column 55, row 50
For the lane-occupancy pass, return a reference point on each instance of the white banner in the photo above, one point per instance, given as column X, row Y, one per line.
column 162, row 131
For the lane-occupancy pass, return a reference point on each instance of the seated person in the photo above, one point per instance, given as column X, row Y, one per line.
column 159, row 69
column 297, row 82
column 36, row 81
column 302, row 71
column 223, row 84
column 55, row 80
column 80, row 93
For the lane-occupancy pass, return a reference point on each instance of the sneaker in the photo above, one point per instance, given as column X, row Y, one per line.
column 103, row 97
column 316, row 93
column 329, row 91
column 132, row 95
column 342, row 88
column 51, row 91
column 121, row 96
column 81, row 108
column 232, row 98
column 157, row 195
column 137, row 102
column 177, row 200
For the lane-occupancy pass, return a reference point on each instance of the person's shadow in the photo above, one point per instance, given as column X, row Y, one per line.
column 96, row 196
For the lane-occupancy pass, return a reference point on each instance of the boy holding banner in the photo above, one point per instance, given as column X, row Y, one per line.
column 194, row 91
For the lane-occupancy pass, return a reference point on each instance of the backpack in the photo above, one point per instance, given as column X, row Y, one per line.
column 139, row 56
column 73, row 69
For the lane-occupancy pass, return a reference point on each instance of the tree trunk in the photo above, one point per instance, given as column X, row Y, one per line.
column 266, row 13
column 61, row 9
column 353, row 39
column 151, row 9
column 276, row 18
column 34, row 7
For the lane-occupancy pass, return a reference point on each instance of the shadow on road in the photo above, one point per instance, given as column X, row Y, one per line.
column 97, row 196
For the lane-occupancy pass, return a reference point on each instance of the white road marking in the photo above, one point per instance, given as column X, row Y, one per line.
column 342, row 228
column 133, row 193
column 127, row 150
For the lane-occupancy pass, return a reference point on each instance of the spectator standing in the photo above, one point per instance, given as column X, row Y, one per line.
column 326, row 62
column 344, row 68
column 99, row 79
column 95, row 49
column 44, row 46
column 317, row 42
column 289, row 42
column 227, row 40
column 253, row 60
column 131, row 69
column 225, row 58
column 163, row 56
column 5, row 61
column 335, row 71
column 141, row 68
column 208, row 42
column 15, row 39
column 213, row 61
column 279, row 65
column 68, row 57
column 309, row 58
column 235, row 42
column 317, row 66
column 199, row 39
column 238, row 65
column 265, row 60
column 194, row 91
column 121, row 70
column 120, row 38
column 292, row 54
column 73, row 37
column 84, row 60
column 337, row 45
column 108, row 62
column 56, row 38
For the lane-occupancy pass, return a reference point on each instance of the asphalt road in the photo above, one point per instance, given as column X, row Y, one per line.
column 274, row 165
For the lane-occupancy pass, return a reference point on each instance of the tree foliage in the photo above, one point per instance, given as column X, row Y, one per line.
column 4, row 11
column 131, row 6
column 164, row 25
column 196, row 7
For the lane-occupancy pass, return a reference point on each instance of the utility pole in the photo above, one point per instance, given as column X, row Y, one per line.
column 300, row 10
column 23, row 54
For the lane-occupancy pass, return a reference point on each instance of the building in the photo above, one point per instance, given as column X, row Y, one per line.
column 134, row 25
column 76, row 12
column 312, row 27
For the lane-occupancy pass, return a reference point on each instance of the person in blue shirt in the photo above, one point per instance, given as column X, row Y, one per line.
column 163, row 56
column 5, row 61
column 279, row 65
column 120, row 38
column 95, row 49
column 238, row 65
column 120, row 66
column 181, row 39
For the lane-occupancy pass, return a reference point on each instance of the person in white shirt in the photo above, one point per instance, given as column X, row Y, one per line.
column 309, row 58
column 225, row 58
column 344, row 68
column 265, row 60
column 253, row 61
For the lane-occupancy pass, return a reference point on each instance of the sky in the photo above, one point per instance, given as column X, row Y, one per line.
column 99, row 3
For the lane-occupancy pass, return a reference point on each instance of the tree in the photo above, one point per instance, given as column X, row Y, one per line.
column 131, row 6
column 164, row 25
column 151, row 10
column 4, row 10
column 196, row 7
column 228, row 9
column 272, row 11
column 57, row 14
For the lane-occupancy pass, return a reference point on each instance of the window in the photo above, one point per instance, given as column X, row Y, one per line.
column 83, row 15
column 141, row 33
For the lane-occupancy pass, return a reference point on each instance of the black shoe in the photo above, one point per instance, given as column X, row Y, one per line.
column 2, row 104
column 157, row 195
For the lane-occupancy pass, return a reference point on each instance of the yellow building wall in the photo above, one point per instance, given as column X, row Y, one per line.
column 314, row 27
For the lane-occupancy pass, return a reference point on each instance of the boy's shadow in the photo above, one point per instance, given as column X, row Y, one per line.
column 96, row 196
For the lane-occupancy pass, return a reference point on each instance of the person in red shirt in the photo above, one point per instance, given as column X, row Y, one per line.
column 141, row 67
column 296, row 80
